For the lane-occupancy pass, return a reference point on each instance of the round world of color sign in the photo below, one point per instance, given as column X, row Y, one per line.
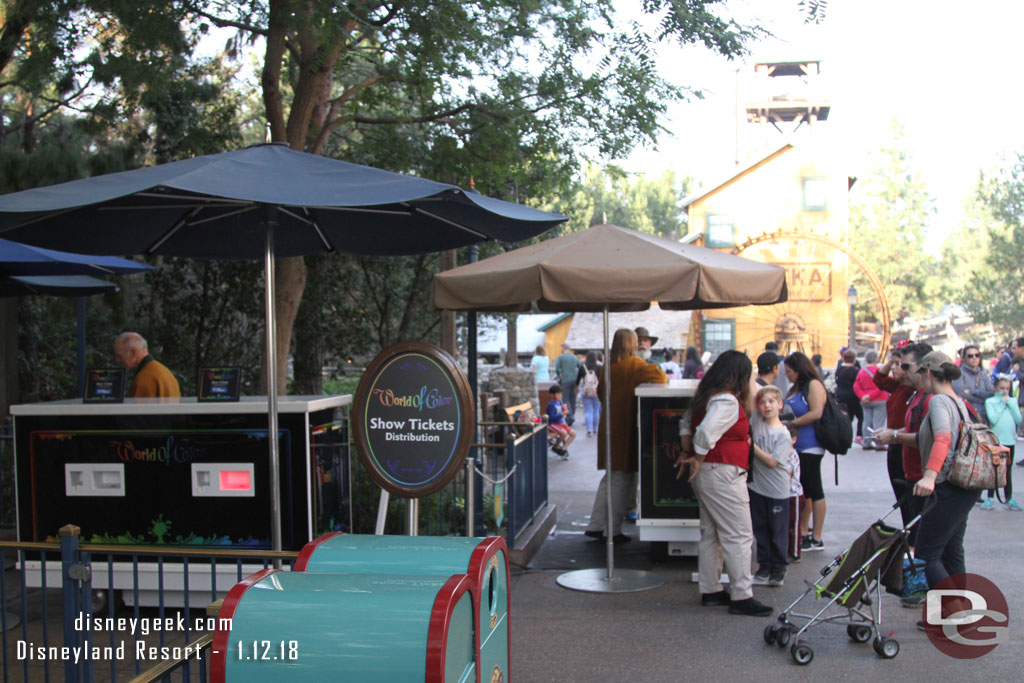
column 412, row 419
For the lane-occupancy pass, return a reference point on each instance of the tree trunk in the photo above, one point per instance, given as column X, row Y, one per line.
column 448, row 317
column 512, row 355
column 309, row 334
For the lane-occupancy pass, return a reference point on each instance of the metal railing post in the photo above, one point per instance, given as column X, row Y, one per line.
column 470, row 496
column 71, row 576
column 510, row 491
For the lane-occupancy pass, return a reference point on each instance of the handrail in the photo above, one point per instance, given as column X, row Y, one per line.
column 167, row 666
column 174, row 551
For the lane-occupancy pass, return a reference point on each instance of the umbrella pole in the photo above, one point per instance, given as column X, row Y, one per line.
column 605, row 580
column 607, row 436
column 269, row 222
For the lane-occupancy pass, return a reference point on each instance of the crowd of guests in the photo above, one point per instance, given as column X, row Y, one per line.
column 749, row 449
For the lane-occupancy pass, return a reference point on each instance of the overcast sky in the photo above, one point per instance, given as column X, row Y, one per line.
column 950, row 73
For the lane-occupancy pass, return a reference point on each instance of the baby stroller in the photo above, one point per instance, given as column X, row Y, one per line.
column 872, row 561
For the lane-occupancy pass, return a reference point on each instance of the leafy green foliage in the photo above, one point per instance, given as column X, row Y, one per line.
column 994, row 293
column 887, row 229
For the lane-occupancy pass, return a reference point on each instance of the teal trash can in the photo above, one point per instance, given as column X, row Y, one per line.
column 300, row 626
column 484, row 560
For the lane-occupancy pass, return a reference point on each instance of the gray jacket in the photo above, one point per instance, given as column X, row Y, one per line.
column 974, row 386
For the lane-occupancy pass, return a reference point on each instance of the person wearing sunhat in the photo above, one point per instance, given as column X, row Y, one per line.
column 644, row 343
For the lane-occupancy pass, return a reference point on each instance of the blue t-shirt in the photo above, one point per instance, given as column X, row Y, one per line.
column 555, row 416
column 806, row 441
column 543, row 365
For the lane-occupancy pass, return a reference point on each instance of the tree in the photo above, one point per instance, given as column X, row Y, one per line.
column 493, row 87
column 887, row 228
column 649, row 205
column 995, row 293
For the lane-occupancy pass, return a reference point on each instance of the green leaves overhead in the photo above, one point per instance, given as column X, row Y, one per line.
column 995, row 292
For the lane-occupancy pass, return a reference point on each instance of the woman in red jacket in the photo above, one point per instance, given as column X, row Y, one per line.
column 872, row 400
column 715, row 436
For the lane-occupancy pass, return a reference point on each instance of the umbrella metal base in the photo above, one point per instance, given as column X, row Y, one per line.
column 597, row 581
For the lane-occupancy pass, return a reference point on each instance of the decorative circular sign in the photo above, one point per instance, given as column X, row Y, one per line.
column 412, row 419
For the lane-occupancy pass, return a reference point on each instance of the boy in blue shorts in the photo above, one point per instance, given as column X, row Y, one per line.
column 561, row 432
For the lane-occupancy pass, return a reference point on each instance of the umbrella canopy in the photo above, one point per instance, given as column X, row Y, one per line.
column 23, row 259
column 209, row 206
column 261, row 202
column 609, row 267
column 54, row 285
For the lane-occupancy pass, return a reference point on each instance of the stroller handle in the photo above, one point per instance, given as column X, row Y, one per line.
column 930, row 502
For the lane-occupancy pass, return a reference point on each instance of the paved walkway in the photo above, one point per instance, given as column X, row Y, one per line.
column 665, row 635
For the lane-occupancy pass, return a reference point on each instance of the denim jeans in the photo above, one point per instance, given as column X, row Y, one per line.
column 592, row 412
column 940, row 533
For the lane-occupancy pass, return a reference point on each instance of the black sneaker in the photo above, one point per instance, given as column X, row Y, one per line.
column 762, row 576
column 558, row 450
column 750, row 607
column 778, row 577
column 810, row 544
column 719, row 599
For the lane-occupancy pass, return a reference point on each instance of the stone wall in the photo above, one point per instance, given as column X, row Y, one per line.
column 520, row 385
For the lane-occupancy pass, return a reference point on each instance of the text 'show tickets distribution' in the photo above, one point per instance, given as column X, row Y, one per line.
column 413, row 419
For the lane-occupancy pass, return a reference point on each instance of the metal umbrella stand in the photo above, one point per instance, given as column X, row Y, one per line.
column 607, row 268
column 291, row 202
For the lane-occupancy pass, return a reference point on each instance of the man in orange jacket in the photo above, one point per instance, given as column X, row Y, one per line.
column 152, row 378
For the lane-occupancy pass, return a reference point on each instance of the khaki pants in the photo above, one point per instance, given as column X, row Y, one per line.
column 623, row 491
column 726, row 533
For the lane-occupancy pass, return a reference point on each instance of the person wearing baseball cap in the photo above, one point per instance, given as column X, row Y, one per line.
column 940, row 533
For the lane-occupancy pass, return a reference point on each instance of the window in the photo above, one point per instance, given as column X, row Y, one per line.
column 719, row 232
column 719, row 335
column 815, row 194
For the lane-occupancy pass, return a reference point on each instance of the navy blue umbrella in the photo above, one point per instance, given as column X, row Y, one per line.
column 261, row 202
column 27, row 270
column 17, row 259
column 54, row 285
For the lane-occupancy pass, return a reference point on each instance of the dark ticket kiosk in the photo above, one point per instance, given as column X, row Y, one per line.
column 668, row 510
column 178, row 472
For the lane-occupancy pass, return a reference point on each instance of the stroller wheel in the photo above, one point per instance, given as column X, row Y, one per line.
column 886, row 648
column 859, row 633
column 782, row 637
column 769, row 634
column 802, row 653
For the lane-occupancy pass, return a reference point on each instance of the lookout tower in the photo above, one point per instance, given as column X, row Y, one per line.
column 787, row 95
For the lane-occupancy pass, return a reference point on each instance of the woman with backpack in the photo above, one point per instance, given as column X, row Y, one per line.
column 940, row 533
column 591, row 401
column 806, row 400
column 692, row 368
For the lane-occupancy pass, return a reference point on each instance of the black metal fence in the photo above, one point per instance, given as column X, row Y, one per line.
column 85, row 612
column 72, row 611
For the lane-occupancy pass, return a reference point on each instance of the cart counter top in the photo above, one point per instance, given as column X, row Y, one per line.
column 674, row 387
column 183, row 406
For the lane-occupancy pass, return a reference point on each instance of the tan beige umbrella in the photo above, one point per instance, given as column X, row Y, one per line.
column 608, row 268
column 613, row 267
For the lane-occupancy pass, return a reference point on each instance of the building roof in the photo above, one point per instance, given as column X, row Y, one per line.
column 693, row 198
column 670, row 327
column 492, row 336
